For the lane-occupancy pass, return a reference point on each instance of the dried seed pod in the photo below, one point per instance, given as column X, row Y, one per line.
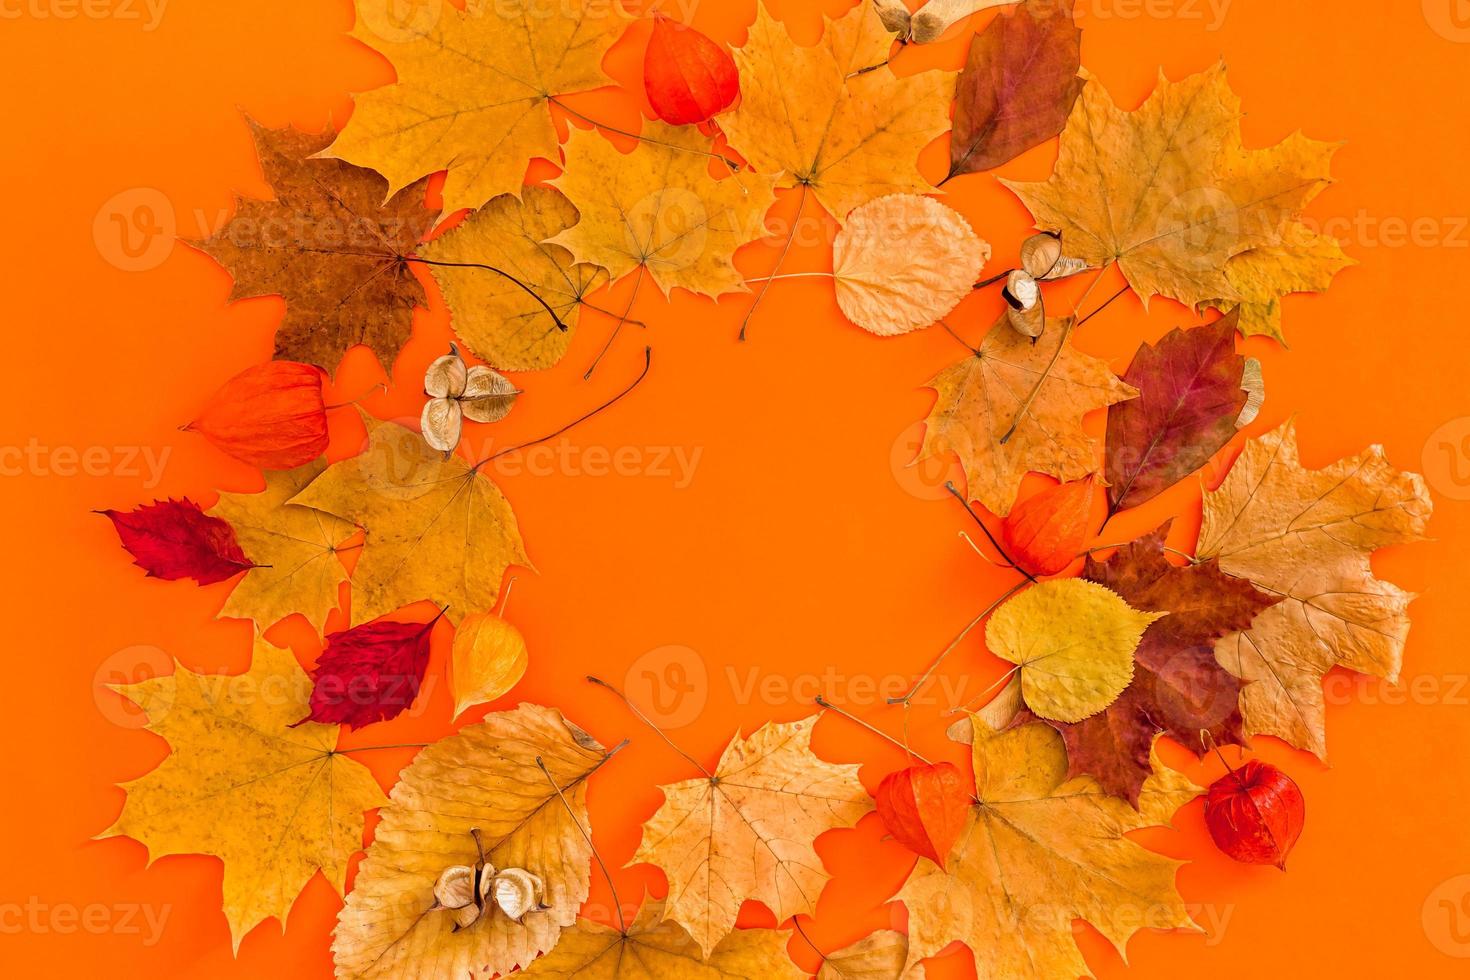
column 1042, row 258
column 1027, row 311
column 938, row 16
column 1254, row 385
column 446, row 376
column 488, row 395
column 894, row 15
column 441, row 423
column 515, row 892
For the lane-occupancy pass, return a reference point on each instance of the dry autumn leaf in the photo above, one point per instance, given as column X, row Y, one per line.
column 483, row 779
column 903, row 261
column 1039, row 851
column 1307, row 536
column 805, row 115
column 659, row 208
column 1073, row 641
column 746, row 832
column 274, row 803
column 473, row 91
column 1169, row 191
column 293, row 547
column 499, row 317
column 331, row 244
column 656, row 948
column 416, row 506
column 981, row 395
column 1306, row 263
column 878, row 956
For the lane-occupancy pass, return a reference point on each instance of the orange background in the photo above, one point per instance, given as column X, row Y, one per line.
column 801, row 545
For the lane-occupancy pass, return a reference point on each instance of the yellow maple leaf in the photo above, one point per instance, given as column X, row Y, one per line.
column 273, row 802
column 981, row 396
column 658, row 207
column 1169, row 192
column 655, row 947
column 436, row 529
column 484, row 779
column 1305, row 263
column 1039, row 850
column 294, row 549
column 1307, row 536
column 1074, row 642
column 746, row 831
column 496, row 317
column 803, row 112
column 473, row 90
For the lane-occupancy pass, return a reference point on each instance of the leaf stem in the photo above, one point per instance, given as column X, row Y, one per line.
column 949, row 485
column 480, row 265
column 637, row 713
column 621, row 320
column 924, row 679
column 734, row 167
column 780, row 260
column 824, row 703
column 617, row 904
column 375, row 748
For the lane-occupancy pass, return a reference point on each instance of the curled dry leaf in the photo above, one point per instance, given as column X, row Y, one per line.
column 688, row 78
column 1039, row 851
column 653, row 946
column 489, row 658
column 930, row 21
column 747, row 832
column 1045, row 532
column 274, row 803
column 339, row 265
column 658, row 207
column 414, row 505
column 174, row 539
column 878, row 956
column 294, row 549
column 495, row 314
column 484, row 779
column 904, row 261
column 457, row 392
column 270, row 415
column 473, row 90
column 808, row 115
column 1019, row 84
column 1074, row 642
column 1308, row 536
column 1255, row 814
column 1169, row 191
column 979, row 397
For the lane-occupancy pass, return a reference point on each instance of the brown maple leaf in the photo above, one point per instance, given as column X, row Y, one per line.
column 332, row 244
column 1178, row 688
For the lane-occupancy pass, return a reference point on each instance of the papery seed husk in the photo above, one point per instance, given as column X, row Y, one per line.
column 441, row 423
column 445, row 378
column 488, row 395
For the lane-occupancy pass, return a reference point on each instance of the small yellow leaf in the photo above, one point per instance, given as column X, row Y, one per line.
column 903, row 261
column 489, row 659
column 1074, row 641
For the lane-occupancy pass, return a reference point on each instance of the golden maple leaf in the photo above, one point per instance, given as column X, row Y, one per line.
column 878, row 956
column 331, row 243
column 294, row 549
column 1038, row 851
column 473, row 90
column 1307, row 536
column 980, row 397
column 850, row 138
column 1305, row 263
column 496, row 318
column 1169, row 192
column 655, row 948
column 746, row 831
column 484, row 779
column 273, row 802
column 436, row 529
column 659, row 208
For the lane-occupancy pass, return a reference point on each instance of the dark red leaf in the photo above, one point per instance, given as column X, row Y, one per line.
column 174, row 539
column 270, row 415
column 1255, row 814
column 924, row 808
column 1178, row 688
column 688, row 77
column 1018, row 86
column 369, row 673
column 1189, row 397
